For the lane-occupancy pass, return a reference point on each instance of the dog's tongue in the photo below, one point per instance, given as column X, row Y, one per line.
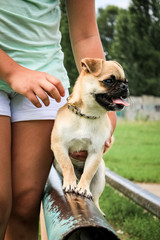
column 121, row 102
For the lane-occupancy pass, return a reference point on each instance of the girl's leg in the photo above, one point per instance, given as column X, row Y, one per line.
column 5, row 173
column 31, row 162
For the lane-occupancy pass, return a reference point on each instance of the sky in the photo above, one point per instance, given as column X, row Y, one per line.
column 105, row 3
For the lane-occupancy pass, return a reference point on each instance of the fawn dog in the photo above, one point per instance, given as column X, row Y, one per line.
column 83, row 124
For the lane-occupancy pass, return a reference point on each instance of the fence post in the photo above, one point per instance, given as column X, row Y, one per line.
column 72, row 217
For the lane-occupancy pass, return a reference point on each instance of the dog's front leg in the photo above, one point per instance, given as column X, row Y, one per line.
column 91, row 165
column 62, row 158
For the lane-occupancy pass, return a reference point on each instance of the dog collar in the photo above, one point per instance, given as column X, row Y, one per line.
column 77, row 111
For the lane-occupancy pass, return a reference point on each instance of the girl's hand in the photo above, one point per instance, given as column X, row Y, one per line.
column 82, row 155
column 33, row 83
column 108, row 143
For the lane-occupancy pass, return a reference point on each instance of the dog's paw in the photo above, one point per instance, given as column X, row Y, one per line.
column 69, row 188
column 69, row 184
column 83, row 192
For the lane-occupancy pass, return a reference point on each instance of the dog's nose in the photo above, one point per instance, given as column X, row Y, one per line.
column 123, row 86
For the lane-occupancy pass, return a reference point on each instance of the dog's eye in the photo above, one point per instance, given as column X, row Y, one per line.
column 108, row 81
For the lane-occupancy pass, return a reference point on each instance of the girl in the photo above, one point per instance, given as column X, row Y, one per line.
column 33, row 86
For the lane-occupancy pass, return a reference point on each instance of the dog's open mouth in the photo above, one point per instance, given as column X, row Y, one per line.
column 121, row 101
column 114, row 103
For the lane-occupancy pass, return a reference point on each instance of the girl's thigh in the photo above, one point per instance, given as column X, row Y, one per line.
column 5, row 166
column 31, row 162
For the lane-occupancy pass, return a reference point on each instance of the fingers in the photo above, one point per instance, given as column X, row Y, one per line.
column 54, row 81
column 107, row 144
column 43, row 96
column 53, row 87
column 51, row 90
column 32, row 97
column 42, row 92
column 81, row 155
column 48, row 86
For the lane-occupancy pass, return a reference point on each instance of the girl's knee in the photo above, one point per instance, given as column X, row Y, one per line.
column 5, row 208
column 26, row 206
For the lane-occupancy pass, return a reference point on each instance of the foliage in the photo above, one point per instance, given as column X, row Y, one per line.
column 135, row 152
column 66, row 46
column 106, row 24
column 140, row 51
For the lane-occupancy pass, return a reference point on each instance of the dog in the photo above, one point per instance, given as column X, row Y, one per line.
column 83, row 124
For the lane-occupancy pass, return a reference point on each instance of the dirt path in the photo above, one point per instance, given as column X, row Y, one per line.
column 151, row 187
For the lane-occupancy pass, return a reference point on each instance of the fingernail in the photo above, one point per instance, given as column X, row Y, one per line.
column 38, row 105
column 58, row 100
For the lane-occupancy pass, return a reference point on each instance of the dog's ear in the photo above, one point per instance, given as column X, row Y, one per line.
column 92, row 65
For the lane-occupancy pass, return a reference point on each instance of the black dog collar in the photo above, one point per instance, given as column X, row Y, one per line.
column 77, row 111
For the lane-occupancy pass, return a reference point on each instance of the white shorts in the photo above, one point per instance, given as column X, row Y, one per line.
column 19, row 108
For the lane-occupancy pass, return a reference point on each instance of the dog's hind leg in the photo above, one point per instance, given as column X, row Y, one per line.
column 98, row 184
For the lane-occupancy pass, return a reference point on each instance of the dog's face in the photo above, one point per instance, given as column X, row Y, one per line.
column 106, row 82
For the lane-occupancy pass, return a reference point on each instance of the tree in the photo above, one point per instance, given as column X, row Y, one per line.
column 137, row 45
column 106, row 24
column 69, row 62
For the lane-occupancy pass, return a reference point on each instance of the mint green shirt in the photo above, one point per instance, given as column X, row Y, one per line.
column 29, row 34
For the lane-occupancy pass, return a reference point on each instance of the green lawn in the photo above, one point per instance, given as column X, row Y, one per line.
column 134, row 222
column 135, row 153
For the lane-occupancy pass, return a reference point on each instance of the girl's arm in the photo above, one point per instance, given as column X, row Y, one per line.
column 85, row 37
column 84, row 32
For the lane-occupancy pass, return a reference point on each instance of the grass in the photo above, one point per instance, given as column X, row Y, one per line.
column 135, row 154
column 134, row 222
